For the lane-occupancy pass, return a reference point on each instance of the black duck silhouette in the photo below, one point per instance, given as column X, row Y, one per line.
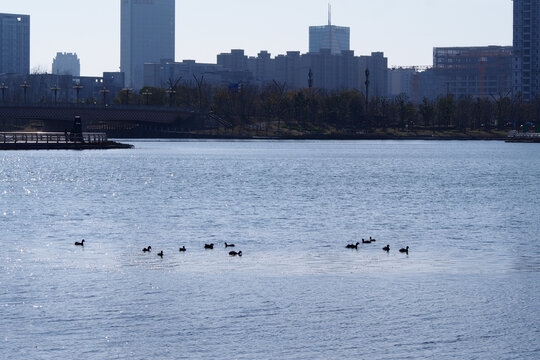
column 404, row 250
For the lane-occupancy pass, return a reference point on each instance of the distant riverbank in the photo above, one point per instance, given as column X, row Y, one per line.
column 288, row 134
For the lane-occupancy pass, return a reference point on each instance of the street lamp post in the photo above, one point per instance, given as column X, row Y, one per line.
column 368, row 117
column 4, row 87
column 55, row 90
column 147, row 94
column 78, row 89
column 127, row 90
column 171, row 93
column 25, row 87
column 104, row 92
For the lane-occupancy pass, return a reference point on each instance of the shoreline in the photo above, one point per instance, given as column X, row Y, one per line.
column 319, row 137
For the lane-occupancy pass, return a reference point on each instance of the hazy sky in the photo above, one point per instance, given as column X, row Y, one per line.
column 406, row 30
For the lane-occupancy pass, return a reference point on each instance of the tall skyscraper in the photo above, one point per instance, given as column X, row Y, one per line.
column 526, row 69
column 14, row 43
column 66, row 64
column 335, row 38
column 147, row 35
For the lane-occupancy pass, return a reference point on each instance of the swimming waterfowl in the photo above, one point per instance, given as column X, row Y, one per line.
column 160, row 254
column 234, row 253
column 229, row 245
column 208, row 246
column 372, row 240
column 182, row 249
column 366, row 241
column 405, row 250
column 386, row 248
column 147, row 249
column 79, row 243
column 352, row 246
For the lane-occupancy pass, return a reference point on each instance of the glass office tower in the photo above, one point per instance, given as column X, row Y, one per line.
column 147, row 35
column 14, row 43
column 335, row 38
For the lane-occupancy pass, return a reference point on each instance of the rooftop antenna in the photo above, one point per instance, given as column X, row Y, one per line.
column 329, row 14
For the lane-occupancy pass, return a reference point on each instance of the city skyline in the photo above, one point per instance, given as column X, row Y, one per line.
column 406, row 31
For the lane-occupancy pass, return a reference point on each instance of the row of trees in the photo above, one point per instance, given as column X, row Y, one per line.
column 315, row 109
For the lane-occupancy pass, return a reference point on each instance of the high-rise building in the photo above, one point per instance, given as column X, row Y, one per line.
column 526, row 64
column 14, row 43
column 147, row 35
column 66, row 64
column 335, row 38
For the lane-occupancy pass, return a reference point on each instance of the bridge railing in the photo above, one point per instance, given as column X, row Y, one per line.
column 107, row 107
column 51, row 137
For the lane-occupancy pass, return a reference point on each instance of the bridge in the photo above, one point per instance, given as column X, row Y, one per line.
column 131, row 119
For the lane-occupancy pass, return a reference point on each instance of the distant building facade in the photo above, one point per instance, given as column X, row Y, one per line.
column 161, row 74
column 473, row 71
column 332, row 72
column 377, row 64
column 147, row 36
column 14, row 43
column 526, row 66
column 401, row 81
column 329, row 72
column 236, row 60
column 335, row 38
column 39, row 88
column 66, row 64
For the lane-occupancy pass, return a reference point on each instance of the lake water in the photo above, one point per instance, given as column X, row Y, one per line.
column 468, row 289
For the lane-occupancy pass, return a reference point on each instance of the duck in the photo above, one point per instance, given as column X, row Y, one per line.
column 372, row 240
column 386, row 248
column 352, row 246
column 160, row 254
column 182, row 249
column 229, row 245
column 234, row 253
column 79, row 243
column 404, row 250
column 366, row 241
column 208, row 246
column 147, row 249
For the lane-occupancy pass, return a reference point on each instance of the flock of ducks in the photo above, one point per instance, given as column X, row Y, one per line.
column 371, row 240
column 182, row 249
column 206, row 247
column 239, row 253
